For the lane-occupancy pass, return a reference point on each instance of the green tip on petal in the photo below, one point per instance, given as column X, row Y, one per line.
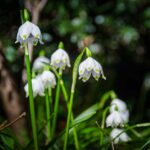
column 37, row 36
column 103, row 76
column 96, row 78
column 61, row 45
column 24, row 36
column 116, row 107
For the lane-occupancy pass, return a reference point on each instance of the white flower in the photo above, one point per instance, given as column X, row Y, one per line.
column 121, row 138
column 119, row 105
column 88, row 67
column 115, row 119
column 39, row 63
column 60, row 59
column 37, row 87
column 29, row 33
column 48, row 79
column 125, row 116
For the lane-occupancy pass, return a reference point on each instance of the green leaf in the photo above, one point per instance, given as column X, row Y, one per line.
column 146, row 144
column 87, row 114
column 8, row 142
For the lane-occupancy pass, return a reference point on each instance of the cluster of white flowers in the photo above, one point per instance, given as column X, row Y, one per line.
column 40, row 83
column 123, row 137
column 90, row 67
column 29, row 33
column 39, row 63
column 119, row 116
column 60, row 59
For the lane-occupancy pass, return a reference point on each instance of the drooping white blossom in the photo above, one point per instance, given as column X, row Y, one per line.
column 119, row 105
column 90, row 67
column 29, row 33
column 60, row 59
column 115, row 119
column 48, row 79
column 121, row 138
column 39, row 63
column 37, row 87
column 125, row 116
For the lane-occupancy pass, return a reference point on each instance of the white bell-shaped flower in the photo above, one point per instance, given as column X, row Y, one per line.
column 119, row 105
column 88, row 67
column 125, row 116
column 121, row 138
column 29, row 33
column 60, row 59
column 37, row 87
column 39, row 63
column 48, row 79
column 115, row 119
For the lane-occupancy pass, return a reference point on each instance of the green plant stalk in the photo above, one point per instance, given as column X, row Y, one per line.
column 132, row 127
column 68, row 120
column 31, row 100
column 56, row 105
column 74, row 78
column 72, row 118
column 103, row 126
column 47, row 96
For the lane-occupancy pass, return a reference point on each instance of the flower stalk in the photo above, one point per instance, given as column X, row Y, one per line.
column 56, row 104
column 74, row 78
column 72, row 117
column 48, row 112
column 31, row 100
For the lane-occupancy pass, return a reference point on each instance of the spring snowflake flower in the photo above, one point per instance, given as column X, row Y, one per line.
column 121, row 107
column 37, row 87
column 115, row 119
column 60, row 59
column 119, row 104
column 88, row 67
column 121, row 138
column 39, row 63
column 29, row 33
column 48, row 79
column 125, row 116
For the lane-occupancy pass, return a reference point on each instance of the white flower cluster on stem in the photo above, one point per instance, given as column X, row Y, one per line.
column 29, row 33
column 90, row 67
column 123, row 137
column 60, row 59
column 118, row 117
column 40, row 83
column 39, row 63
column 119, row 114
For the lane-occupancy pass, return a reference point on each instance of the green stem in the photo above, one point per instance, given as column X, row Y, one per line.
column 31, row 100
column 56, row 104
column 72, row 118
column 74, row 79
column 47, row 96
column 68, row 120
column 103, row 126
column 132, row 127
